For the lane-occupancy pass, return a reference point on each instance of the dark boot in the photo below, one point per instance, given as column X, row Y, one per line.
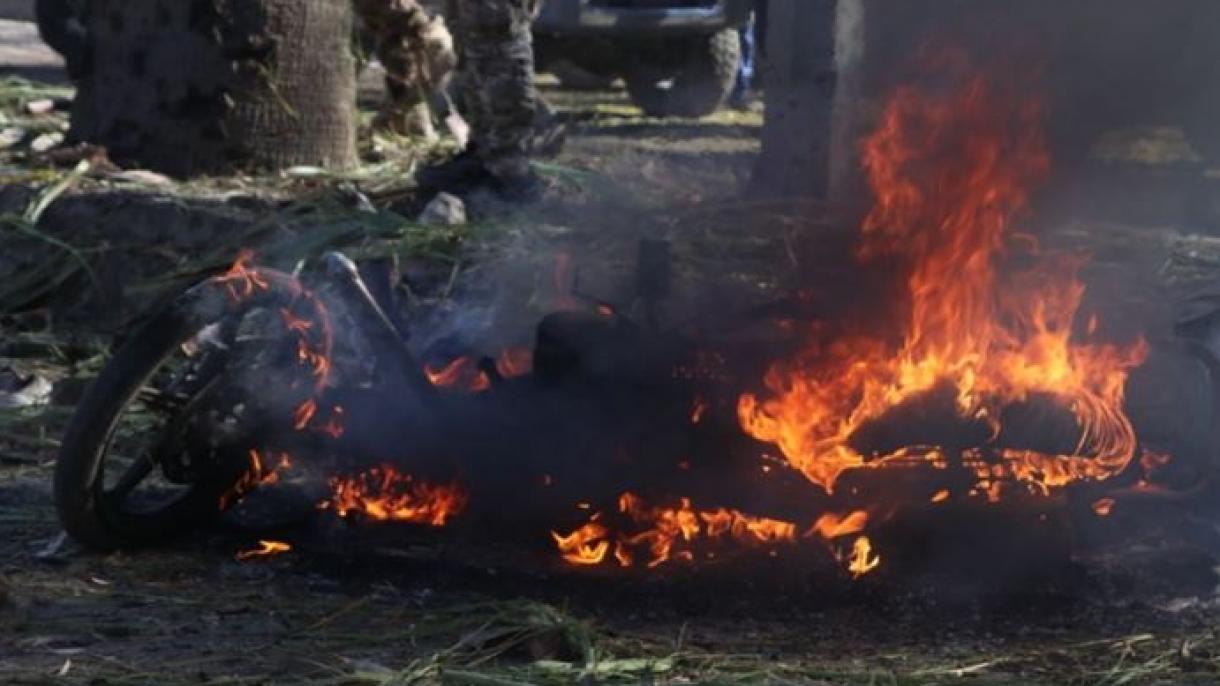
column 467, row 173
column 459, row 175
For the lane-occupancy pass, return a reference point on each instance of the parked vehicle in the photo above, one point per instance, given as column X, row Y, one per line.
column 678, row 57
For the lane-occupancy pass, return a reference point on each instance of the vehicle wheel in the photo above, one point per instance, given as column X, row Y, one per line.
column 155, row 403
column 701, row 79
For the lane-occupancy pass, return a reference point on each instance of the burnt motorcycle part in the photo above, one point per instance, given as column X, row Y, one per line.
column 101, row 515
column 376, row 324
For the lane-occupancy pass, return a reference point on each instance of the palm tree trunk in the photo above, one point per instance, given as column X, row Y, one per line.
column 190, row 87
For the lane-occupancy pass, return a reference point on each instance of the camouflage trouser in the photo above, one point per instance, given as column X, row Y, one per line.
column 414, row 47
column 496, row 68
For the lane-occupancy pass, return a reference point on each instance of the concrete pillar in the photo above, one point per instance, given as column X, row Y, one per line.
column 814, row 77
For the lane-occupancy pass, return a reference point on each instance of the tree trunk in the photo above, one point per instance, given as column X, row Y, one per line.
column 190, row 87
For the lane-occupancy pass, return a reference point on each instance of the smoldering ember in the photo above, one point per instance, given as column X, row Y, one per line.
column 650, row 341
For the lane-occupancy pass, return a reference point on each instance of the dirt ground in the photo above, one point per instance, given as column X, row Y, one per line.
column 1135, row 604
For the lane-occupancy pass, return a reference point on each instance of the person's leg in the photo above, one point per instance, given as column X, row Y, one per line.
column 417, row 53
column 499, row 78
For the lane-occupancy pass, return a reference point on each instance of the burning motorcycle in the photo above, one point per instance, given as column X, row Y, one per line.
column 236, row 381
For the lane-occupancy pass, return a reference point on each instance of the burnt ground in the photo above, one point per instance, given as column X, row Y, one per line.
column 1131, row 600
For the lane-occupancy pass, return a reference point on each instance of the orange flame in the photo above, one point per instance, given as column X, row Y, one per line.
column 949, row 174
column 315, row 338
column 698, row 410
column 668, row 525
column 304, row 414
column 264, row 549
column 515, row 362
column 385, row 494
column 661, row 534
column 663, row 530
column 862, row 559
column 832, row 525
column 313, row 333
column 242, row 280
column 461, row 374
column 585, row 546
column 294, row 323
column 1104, row 507
column 257, row 474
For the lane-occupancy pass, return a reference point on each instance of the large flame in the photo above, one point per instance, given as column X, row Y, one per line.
column 950, row 173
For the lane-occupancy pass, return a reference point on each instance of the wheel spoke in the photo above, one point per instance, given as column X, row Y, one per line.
column 132, row 477
column 162, row 401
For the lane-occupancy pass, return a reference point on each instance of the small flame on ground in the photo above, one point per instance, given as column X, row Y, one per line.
column 1104, row 507
column 587, row 545
column 940, row 496
column 385, row 494
column 462, row 374
column 698, row 410
column 862, row 559
column 666, row 528
column 663, row 534
column 515, row 362
column 264, row 549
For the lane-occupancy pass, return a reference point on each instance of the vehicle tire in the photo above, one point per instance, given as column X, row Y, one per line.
column 700, row 80
column 87, row 510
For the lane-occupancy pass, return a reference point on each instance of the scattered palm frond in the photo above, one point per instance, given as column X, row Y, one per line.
column 515, row 642
column 283, row 235
column 16, row 93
